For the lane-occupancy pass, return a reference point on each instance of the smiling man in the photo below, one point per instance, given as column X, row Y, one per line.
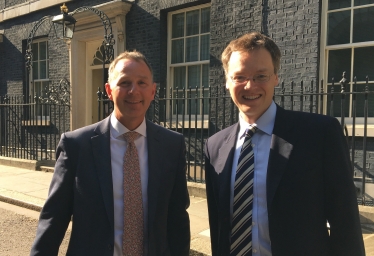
column 274, row 179
column 122, row 181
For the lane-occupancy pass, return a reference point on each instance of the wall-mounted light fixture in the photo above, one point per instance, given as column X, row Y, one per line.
column 64, row 24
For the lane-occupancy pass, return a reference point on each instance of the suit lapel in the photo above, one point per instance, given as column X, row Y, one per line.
column 224, row 168
column 280, row 151
column 101, row 151
column 154, row 167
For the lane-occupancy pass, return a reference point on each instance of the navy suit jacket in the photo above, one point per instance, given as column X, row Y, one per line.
column 309, row 181
column 81, row 190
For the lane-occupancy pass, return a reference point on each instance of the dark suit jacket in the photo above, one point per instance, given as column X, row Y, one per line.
column 309, row 181
column 81, row 189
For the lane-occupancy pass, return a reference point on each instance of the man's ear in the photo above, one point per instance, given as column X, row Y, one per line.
column 154, row 90
column 277, row 80
column 108, row 91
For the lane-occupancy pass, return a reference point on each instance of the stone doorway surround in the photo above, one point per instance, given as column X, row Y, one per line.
column 89, row 28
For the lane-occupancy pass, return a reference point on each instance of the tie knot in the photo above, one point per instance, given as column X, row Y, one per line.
column 250, row 131
column 130, row 136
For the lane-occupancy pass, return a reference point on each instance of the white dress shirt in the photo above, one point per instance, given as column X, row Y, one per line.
column 118, row 147
column 261, row 141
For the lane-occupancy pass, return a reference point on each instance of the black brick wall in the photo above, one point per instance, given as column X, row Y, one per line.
column 294, row 25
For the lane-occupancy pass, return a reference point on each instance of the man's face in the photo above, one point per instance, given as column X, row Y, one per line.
column 131, row 90
column 252, row 98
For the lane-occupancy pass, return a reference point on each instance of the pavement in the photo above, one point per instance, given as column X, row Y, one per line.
column 26, row 187
column 29, row 189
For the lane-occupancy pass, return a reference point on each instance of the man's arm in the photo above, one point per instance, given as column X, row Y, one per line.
column 212, row 204
column 56, row 213
column 178, row 226
column 341, row 200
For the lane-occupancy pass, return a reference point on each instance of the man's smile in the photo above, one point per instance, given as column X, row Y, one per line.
column 252, row 97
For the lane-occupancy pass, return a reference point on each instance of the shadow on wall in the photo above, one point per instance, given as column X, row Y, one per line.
column 11, row 68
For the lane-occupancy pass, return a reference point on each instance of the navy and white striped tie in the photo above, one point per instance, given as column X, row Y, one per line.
column 241, row 232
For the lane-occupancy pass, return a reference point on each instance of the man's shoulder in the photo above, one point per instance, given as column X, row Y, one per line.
column 221, row 137
column 223, row 133
column 89, row 130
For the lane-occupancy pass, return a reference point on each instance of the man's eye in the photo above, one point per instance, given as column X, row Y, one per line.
column 142, row 83
column 239, row 79
column 260, row 77
column 125, row 83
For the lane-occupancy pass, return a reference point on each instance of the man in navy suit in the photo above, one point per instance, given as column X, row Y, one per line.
column 302, row 172
column 88, row 183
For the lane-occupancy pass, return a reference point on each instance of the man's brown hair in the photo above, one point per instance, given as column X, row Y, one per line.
column 250, row 42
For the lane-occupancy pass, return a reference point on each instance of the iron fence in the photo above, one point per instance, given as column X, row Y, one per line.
column 199, row 116
column 30, row 127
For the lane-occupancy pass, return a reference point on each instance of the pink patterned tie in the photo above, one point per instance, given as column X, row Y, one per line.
column 132, row 243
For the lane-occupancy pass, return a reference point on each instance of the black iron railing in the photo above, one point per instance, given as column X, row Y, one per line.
column 31, row 128
column 197, row 116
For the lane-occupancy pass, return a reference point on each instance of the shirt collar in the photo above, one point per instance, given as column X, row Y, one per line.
column 265, row 123
column 117, row 129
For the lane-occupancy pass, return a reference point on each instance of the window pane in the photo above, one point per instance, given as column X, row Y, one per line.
column 363, row 66
column 38, row 93
column 336, row 100
column 204, row 47
column 178, row 25
column 35, row 51
column 43, row 69
column 37, row 89
column 338, row 27
column 337, row 4
column 193, row 83
column 192, row 49
column 35, row 70
column 177, row 47
column 363, row 23
column 179, row 82
column 194, row 76
column 339, row 61
column 179, row 77
column 363, row 2
column 192, row 22
column 43, row 50
column 205, row 20
column 45, row 87
column 360, row 101
column 205, row 76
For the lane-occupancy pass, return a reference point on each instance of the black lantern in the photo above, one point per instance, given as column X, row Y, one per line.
column 64, row 24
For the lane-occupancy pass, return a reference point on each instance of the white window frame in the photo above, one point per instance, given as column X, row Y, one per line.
column 43, row 119
column 170, row 73
column 324, row 53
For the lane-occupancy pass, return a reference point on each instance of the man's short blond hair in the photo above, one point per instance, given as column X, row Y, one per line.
column 132, row 55
column 251, row 42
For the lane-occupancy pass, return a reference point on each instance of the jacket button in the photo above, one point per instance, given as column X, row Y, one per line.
column 109, row 247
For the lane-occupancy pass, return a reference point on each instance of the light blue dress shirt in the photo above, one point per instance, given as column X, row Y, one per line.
column 118, row 147
column 261, row 141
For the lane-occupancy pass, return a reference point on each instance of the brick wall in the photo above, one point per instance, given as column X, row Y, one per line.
column 294, row 26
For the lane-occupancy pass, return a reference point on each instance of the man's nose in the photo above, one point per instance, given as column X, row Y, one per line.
column 249, row 84
column 133, row 87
